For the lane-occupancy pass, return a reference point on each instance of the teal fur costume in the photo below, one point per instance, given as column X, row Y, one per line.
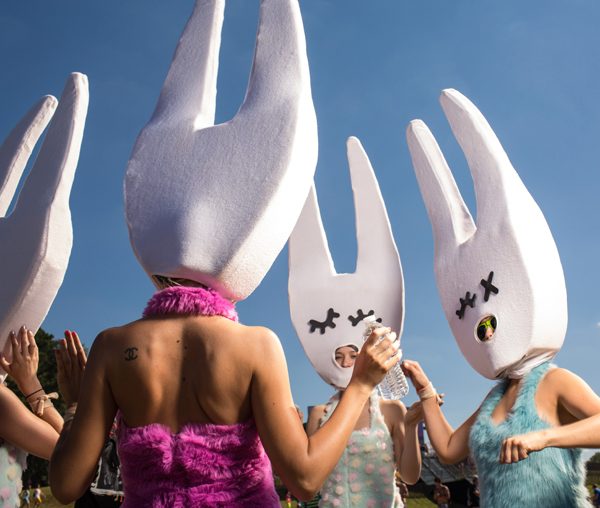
column 550, row 478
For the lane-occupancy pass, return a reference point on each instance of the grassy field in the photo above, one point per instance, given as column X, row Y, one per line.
column 416, row 502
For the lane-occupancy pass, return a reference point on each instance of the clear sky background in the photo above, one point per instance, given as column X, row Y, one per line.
column 533, row 68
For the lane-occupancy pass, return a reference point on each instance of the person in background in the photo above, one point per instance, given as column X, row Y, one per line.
column 441, row 494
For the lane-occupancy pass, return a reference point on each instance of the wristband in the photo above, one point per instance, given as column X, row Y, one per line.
column 427, row 393
column 33, row 393
column 42, row 402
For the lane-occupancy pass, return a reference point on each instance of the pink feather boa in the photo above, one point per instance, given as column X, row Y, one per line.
column 190, row 301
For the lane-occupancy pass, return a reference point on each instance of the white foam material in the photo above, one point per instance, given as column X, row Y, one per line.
column 511, row 238
column 216, row 203
column 36, row 238
column 314, row 285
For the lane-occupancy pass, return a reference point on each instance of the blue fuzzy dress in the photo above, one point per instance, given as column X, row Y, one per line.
column 550, row 478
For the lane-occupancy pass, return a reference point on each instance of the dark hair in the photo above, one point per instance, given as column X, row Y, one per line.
column 437, row 480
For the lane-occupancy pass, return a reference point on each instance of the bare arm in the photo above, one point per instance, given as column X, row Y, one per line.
column 76, row 455
column 451, row 445
column 23, row 369
column 574, row 396
column 406, row 440
column 22, row 428
column 302, row 462
column 314, row 418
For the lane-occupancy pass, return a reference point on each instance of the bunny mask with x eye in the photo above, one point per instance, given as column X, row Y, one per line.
column 216, row 203
column 328, row 308
column 503, row 272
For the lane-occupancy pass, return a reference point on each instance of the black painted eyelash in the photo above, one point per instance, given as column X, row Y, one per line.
column 328, row 323
column 360, row 315
column 469, row 300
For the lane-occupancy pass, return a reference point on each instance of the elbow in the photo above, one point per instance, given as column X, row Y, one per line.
column 304, row 489
column 446, row 459
column 411, row 479
column 63, row 496
column 62, row 491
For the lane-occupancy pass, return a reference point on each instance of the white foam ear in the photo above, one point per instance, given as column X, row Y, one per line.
column 507, row 265
column 36, row 238
column 327, row 308
column 224, row 198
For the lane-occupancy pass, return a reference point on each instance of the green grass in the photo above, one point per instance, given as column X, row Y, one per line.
column 413, row 502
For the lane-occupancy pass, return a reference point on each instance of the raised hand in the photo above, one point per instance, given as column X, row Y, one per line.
column 25, row 361
column 519, row 447
column 70, row 361
column 376, row 357
column 505, row 266
column 230, row 192
column 36, row 238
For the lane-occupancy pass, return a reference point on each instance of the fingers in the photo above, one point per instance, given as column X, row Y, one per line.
column 513, row 450
column 81, row 356
column 70, row 344
column 64, row 355
column 16, row 345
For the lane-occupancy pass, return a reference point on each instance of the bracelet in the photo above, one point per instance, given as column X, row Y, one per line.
column 70, row 413
column 33, row 393
column 42, row 402
column 427, row 393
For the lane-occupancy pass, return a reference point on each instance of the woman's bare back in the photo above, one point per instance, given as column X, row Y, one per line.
column 180, row 370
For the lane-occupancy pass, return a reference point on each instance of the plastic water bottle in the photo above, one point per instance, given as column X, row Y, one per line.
column 394, row 385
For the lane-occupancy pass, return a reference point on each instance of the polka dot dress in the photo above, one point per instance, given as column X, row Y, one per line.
column 364, row 476
column 12, row 464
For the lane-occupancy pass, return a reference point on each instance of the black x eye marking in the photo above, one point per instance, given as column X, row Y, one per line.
column 468, row 300
column 489, row 287
column 331, row 315
column 360, row 315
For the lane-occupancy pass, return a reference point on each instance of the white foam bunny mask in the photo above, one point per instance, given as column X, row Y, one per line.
column 327, row 308
column 36, row 238
column 506, row 265
column 216, row 203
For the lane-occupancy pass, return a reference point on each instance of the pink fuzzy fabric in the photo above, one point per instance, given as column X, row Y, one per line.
column 202, row 465
column 190, row 301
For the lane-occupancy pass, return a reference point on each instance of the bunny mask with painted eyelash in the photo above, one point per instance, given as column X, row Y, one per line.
column 216, row 203
column 36, row 238
column 327, row 308
column 506, row 265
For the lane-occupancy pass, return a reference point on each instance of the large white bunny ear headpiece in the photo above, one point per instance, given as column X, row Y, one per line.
column 36, row 238
column 506, row 266
column 327, row 308
column 216, row 203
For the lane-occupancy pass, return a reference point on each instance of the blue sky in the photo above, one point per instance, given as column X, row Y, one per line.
column 532, row 68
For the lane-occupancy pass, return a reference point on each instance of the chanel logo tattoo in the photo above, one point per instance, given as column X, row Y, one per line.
column 131, row 354
column 328, row 323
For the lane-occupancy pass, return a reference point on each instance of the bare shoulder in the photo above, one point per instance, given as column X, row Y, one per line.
column 392, row 409
column 263, row 339
column 565, row 384
column 561, row 380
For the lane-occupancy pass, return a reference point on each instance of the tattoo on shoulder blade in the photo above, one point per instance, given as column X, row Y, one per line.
column 131, row 353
